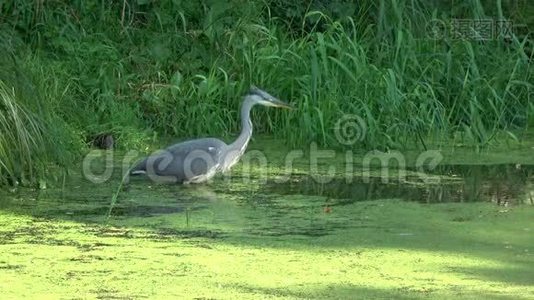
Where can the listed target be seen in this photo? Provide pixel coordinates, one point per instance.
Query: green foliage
(21, 137)
(179, 68)
(32, 136)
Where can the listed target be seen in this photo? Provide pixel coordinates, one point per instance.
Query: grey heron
(198, 160)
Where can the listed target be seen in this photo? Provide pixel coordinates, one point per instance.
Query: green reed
(139, 69)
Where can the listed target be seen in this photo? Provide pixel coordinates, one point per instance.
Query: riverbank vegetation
(140, 70)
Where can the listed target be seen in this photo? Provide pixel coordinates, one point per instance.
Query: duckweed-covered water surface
(465, 232)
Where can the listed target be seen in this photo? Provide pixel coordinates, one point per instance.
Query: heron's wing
(207, 146)
(196, 159)
(185, 161)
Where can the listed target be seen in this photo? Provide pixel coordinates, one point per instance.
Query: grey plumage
(196, 161)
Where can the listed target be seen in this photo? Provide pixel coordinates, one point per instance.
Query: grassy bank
(140, 70)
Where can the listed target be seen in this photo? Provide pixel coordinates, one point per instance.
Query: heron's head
(259, 96)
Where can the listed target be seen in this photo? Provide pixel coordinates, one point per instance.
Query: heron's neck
(246, 127)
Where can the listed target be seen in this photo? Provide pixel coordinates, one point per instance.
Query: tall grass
(29, 142)
(21, 143)
(400, 81)
(33, 138)
(134, 68)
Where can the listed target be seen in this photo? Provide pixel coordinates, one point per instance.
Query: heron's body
(196, 161)
(173, 160)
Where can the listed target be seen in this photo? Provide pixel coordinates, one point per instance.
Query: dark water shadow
(345, 291)
(501, 184)
(515, 274)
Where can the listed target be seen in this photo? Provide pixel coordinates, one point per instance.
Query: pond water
(502, 184)
(457, 231)
(295, 205)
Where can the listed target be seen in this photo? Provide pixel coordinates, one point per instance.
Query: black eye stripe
(257, 93)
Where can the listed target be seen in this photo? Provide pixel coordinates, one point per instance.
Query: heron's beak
(279, 103)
